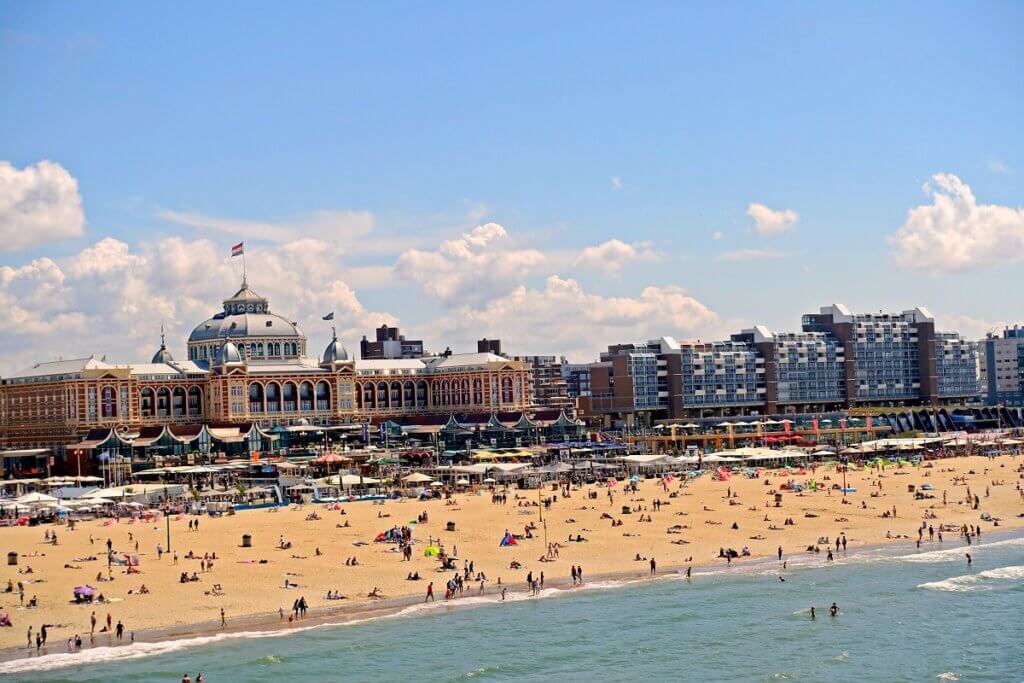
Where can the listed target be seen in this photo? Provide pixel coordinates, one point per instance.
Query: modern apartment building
(724, 374)
(390, 344)
(635, 384)
(549, 389)
(839, 359)
(803, 371)
(577, 379)
(1001, 363)
(898, 358)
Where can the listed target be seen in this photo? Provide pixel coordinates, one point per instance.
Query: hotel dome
(259, 335)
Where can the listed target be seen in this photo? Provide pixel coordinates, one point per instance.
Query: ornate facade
(247, 365)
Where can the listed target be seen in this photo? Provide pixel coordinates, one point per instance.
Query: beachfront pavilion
(25, 462)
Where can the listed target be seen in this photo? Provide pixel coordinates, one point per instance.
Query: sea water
(905, 615)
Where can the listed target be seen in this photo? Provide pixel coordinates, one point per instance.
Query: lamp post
(167, 515)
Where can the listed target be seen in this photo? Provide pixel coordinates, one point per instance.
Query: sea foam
(990, 579)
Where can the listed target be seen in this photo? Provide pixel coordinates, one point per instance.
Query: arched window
(465, 392)
(408, 395)
(146, 407)
(178, 402)
(435, 391)
(323, 396)
(255, 397)
(163, 402)
(396, 394)
(108, 403)
(273, 397)
(506, 389)
(291, 396)
(305, 396)
(382, 395)
(478, 391)
(195, 402)
(446, 393)
(421, 394)
(369, 398)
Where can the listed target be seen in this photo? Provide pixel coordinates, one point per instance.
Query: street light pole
(167, 516)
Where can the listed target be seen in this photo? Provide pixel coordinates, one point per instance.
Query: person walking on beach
(92, 623)
(579, 573)
(780, 553)
(654, 566)
(573, 571)
(430, 592)
(813, 616)
(223, 621)
(119, 631)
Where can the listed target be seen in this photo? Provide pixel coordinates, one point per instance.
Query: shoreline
(269, 624)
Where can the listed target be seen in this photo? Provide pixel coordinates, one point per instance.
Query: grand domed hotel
(247, 372)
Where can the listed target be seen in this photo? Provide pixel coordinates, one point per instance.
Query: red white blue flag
(238, 249)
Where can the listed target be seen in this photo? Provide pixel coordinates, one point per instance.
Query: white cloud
(111, 298)
(768, 222)
(564, 318)
(749, 255)
(971, 327)
(473, 268)
(955, 232)
(998, 166)
(717, 235)
(610, 257)
(38, 204)
(335, 226)
(616, 182)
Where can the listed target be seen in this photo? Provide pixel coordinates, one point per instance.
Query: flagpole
(243, 264)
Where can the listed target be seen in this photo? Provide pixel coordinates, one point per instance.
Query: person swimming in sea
(833, 610)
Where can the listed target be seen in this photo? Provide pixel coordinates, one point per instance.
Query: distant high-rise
(1001, 362)
(390, 344)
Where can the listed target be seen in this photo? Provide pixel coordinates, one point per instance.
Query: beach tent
(508, 540)
(431, 551)
(417, 478)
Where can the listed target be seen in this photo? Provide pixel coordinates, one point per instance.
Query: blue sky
(654, 124)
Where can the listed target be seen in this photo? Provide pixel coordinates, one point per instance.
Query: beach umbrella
(417, 478)
(490, 480)
(84, 590)
(35, 498)
(462, 482)
(436, 483)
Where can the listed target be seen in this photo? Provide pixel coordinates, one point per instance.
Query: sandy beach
(692, 523)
